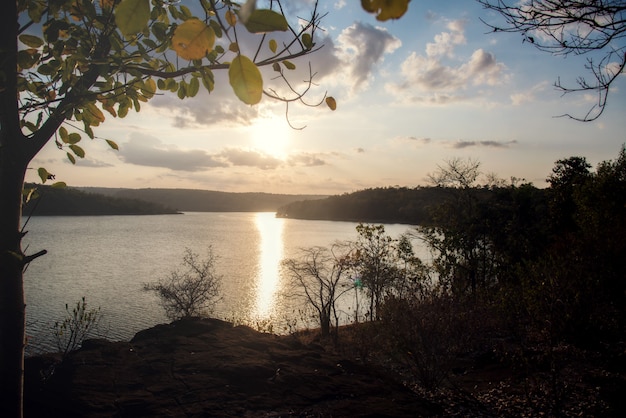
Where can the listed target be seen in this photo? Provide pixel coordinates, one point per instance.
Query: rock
(207, 367)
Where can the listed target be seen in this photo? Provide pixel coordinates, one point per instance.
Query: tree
(463, 253)
(317, 275)
(374, 260)
(595, 28)
(192, 292)
(65, 63)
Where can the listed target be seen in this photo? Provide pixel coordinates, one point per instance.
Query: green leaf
(273, 45)
(290, 65)
(71, 158)
(77, 150)
(307, 41)
(264, 20)
(73, 138)
(193, 87)
(44, 174)
(246, 80)
(31, 41)
(132, 16)
(113, 145)
(59, 185)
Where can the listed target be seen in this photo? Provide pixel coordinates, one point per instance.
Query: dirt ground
(208, 368)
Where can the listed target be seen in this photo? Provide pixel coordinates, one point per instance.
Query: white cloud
(149, 151)
(352, 60)
(528, 95)
(439, 77)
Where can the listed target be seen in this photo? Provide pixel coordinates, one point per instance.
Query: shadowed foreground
(210, 368)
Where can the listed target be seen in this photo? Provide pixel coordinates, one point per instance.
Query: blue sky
(411, 93)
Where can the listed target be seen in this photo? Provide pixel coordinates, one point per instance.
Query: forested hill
(68, 201)
(187, 200)
(387, 205)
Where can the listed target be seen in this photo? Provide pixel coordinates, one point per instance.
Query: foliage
(76, 326)
(71, 202)
(67, 65)
(192, 292)
(593, 28)
(375, 205)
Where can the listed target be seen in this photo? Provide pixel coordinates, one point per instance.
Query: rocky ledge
(208, 368)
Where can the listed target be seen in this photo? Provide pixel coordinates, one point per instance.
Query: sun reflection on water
(271, 253)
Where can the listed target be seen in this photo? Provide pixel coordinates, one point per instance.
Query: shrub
(76, 326)
(192, 292)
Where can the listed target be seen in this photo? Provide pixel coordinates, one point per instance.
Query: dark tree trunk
(12, 308)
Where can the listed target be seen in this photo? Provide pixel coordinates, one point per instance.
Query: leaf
(59, 184)
(73, 138)
(193, 39)
(113, 145)
(273, 45)
(386, 9)
(71, 158)
(331, 103)
(231, 18)
(246, 80)
(132, 16)
(307, 40)
(95, 113)
(77, 150)
(261, 21)
(31, 41)
(233, 47)
(289, 65)
(44, 174)
(276, 67)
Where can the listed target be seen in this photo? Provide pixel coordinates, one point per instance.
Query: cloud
(207, 110)
(306, 160)
(149, 151)
(528, 95)
(359, 49)
(249, 158)
(490, 144)
(91, 162)
(437, 77)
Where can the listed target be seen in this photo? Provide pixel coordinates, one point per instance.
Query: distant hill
(68, 201)
(188, 200)
(386, 205)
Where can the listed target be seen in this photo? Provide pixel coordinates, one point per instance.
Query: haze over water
(107, 259)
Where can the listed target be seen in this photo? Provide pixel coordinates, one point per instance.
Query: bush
(193, 292)
(76, 327)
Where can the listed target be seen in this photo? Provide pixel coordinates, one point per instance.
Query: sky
(411, 94)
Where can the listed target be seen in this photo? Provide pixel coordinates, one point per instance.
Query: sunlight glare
(271, 253)
(271, 136)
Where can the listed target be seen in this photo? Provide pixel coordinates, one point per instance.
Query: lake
(107, 259)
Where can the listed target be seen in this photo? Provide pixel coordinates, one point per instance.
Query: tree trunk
(12, 260)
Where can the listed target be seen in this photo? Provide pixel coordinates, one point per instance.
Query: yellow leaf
(231, 18)
(193, 39)
(331, 103)
(273, 45)
(233, 47)
(289, 65)
(386, 9)
(246, 80)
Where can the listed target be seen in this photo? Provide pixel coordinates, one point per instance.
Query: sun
(271, 137)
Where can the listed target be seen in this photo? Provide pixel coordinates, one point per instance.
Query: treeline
(533, 278)
(51, 201)
(413, 206)
(188, 200)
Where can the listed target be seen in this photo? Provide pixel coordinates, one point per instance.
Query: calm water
(108, 258)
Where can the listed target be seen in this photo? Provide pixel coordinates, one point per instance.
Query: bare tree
(192, 292)
(316, 275)
(595, 28)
